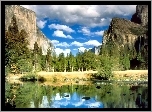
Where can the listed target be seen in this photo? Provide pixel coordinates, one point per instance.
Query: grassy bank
(128, 75)
(67, 76)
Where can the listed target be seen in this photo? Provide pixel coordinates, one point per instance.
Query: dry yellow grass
(131, 72)
(60, 76)
(134, 74)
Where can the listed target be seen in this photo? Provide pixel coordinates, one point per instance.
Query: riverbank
(131, 75)
(128, 75)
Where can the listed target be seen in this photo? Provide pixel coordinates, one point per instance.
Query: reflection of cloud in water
(74, 102)
(32, 104)
(45, 103)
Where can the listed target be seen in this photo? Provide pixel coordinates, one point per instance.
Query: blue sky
(73, 27)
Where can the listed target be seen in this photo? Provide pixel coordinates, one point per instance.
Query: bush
(29, 77)
(41, 79)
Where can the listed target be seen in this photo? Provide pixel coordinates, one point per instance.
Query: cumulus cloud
(59, 33)
(86, 15)
(100, 33)
(65, 51)
(92, 42)
(81, 38)
(81, 49)
(75, 49)
(88, 43)
(85, 31)
(75, 43)
(63, 44)
(59, 44)
(56, 43)
(61, 27)
(41, 24)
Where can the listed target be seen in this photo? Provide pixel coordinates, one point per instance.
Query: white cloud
(57, 43)
(100, 33)
(81, 49)
(81, 38)
(85, 31)
(61, 27)
(63, 44)
(75, 43)
(68, 36)
(41, 24)
(87, 15)
(59, 33)
(75, 49)
(92, 42)
(65, 51)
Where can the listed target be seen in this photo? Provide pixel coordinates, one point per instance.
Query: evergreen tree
(16, 50)
(61, 64)
(36, 56)
(78, 61)
(48, 59)
(71, 61)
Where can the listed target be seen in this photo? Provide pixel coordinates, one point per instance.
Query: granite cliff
(132, 33)
(141, 15)
(26, 19)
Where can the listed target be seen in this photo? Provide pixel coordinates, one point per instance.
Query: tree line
(21, 59)
(112, 56)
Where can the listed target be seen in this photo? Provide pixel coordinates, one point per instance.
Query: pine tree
(35, 60)
(61, 64)
(78, 61)
(48, 59)
(71, 61)
(16, 50)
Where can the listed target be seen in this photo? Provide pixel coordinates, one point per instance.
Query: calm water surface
(98, 95)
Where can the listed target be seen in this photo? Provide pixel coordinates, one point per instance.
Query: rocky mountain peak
(125, 31)
(141, 15)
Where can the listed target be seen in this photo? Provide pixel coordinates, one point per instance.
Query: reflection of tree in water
(23, 96)
(142, 98)
(112, 96)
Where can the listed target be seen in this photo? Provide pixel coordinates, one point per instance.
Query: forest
(112, 57)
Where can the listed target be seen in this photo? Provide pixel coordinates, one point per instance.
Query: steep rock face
(26, 19)
(141, 15)
(132, 33)
(120, 31)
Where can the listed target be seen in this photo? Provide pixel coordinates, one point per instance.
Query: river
(95, 95)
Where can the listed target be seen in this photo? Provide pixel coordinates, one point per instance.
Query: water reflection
(73, 101)
(34, 95)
